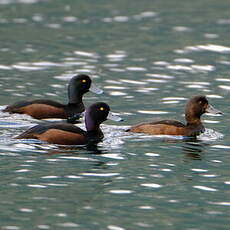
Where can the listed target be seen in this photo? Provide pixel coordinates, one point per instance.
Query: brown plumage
(43, 108)
(68, 134)
(195, 107)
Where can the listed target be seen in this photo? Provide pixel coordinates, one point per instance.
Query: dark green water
(149, 57)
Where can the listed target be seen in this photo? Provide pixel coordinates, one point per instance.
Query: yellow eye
(84, 81)
(102, 108)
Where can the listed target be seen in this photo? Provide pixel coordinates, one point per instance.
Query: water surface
(149, 57)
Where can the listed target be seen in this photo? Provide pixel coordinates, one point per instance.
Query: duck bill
(212, 110)
(94, 89)
(113, 117)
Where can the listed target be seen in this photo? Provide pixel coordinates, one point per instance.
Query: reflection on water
(149, 57)
(194, 150)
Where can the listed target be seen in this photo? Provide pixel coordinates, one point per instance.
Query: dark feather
(168, 122)
(39, 129)
(20, 104)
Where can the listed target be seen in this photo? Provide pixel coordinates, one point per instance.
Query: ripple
(165, 170)
(86, 54)
(226, 87)
(120, 191)
(209, 175)
(135, 68)
(211, 36)
(151, 185)
(36, 186)
(220, 203)
(211, 122)
(117, 70)
(100, 174)
(77, 158)
(5, 67)
(195, 84)
(183, 60)
(148, 14)
(115, 87)
(68, 225)
(179, 67)
(145, 90)
(182, 29)
(70, 19)
(224, 62)
(22, 170)
(205, 188)
(152, 112)
(27, 67)
(60, 214)
(172, 100)
(213, 96)
(210, 135)
(199, 170)
(43, 226)
(56, 185)
(121, 18)
(152, 154)
(221, 146)
(161, 63)
(208, 47)
(223, 79)
(11, 227)
(192, 68)
(54, 25)
(26, 210)
(20, 1)
(37, 18)
(113, 227)
(161, 76)
(107, 20)
(117, 56)
(50, 177)
(113, 156)
(117, 93)
(146, 207)
(133, 82)
(203, 68)
(46, 64)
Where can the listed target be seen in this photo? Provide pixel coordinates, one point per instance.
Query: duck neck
(75, 98)
(74, 94)
(90, 124)
(192, 119)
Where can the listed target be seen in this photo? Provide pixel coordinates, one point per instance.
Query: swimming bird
(43, 108)
(69, 134)
(195, 107)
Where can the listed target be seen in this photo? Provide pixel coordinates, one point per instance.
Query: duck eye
(102, 108)
(83, 81)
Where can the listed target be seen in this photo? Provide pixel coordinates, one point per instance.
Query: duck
(69, 134)
(194, 109)
(44, 108)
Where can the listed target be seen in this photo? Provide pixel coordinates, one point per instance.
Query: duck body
(194, 109)
(68, 134)
(62, 134)
(43, 108)
(168, 127)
